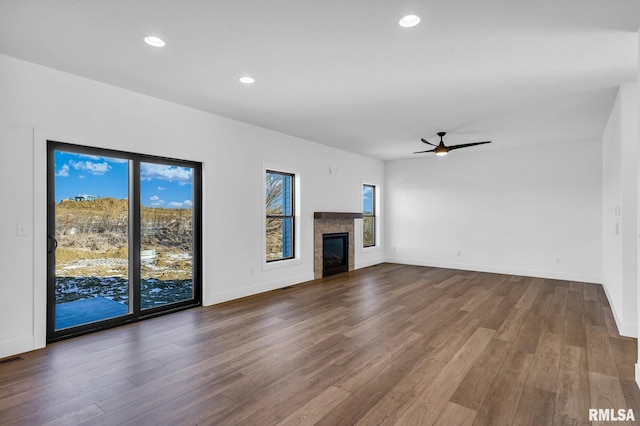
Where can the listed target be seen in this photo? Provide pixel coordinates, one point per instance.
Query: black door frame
(135, 314)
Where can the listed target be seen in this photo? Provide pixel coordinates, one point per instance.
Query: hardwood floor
(386, 345)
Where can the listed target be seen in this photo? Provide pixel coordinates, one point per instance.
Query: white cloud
(154, 198)
(161, 188)
(91, 157)
(64, 171)
(98, 157)
(116, 160)
(181, 205)
(93, 168)
(182, 175)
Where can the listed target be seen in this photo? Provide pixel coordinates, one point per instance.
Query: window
(368, 215)
(280, 219)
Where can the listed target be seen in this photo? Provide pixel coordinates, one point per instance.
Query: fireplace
(335, 253)
(326, 223)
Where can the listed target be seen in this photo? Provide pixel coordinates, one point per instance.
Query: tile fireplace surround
(331, 223)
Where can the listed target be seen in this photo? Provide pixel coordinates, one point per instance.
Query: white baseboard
(498, 270)
(627, 329)
(638, 374)
(264, 287)
(15, 347)
(368, 263)
(257, 289)
(624, 328)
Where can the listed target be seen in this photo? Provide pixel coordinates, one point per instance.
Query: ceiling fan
(441, 149)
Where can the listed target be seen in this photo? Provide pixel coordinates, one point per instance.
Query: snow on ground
(152, 292)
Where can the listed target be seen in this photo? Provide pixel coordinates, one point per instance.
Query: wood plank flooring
(385, 345)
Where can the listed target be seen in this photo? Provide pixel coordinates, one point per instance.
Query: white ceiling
(344, 73)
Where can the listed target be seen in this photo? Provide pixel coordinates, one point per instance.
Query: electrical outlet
(21, 229)
(459, 253)
(557, 260)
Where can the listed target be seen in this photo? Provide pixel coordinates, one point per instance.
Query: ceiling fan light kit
(154, 41)
(441, 149)
(409, 21)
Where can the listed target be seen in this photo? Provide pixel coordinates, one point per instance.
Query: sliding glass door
(166, 234)
(91, 231)
(123, 237)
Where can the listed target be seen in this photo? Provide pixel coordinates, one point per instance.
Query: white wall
(511, 210)
(534, 210)
(619, 209)
(37, 103)
(637, 179)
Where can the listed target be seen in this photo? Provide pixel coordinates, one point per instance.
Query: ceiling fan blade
(427, 142)
(464, 145)
(422, 152)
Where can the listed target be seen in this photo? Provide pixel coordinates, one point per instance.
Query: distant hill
(99, 228)
(112, 205)
(111, 214)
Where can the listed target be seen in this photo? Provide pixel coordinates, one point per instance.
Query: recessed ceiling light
(154, 41)
(409, 21)
(246, 80)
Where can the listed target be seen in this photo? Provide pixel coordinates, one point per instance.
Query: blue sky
(161, 185)
(367, 199)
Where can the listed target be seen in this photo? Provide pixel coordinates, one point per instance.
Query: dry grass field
(92, 258)
(93, 239)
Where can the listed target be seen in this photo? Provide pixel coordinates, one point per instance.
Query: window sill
(370, 249)
(281, 264)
